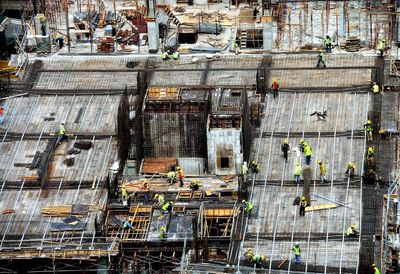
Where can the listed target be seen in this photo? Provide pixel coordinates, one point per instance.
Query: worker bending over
(352, 231)
(194, 186)
(167, 207)
(160, 199)
(351, 169)
(255, 168)
(303, 205)
(171, 177)
(248, 208)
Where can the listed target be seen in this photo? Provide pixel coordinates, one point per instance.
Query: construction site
(199, 136)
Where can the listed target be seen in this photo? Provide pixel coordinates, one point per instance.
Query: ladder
(243, 39)
(172, 16)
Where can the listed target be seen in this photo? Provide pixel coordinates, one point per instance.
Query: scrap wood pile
(105, 44)
(352, 44)
(126, 37)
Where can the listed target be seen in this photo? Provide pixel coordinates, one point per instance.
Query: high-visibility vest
(62, 130)
(370, 154)
(124, 193)
(296, 250)
(249, 206)
(164, 55)
(307, 150)
(244, 169)
(322, 169)
(381, 45)
(161, 199)
(166, 206)
(322, 56)
(375, 88)
(298, 171)
(327, 41)
(171, 174)
(376, 270)
(368, 127)
(175, 55)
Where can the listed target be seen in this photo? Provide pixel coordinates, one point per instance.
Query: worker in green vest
(124, 196)
(297, 173)
(162, 232)
(167, 207)
(352, 231)
(321, 59)
(171, 177)
(328, 44)
(308, 152)
(248, 208)
(160, 199)
(375, 88)
(375, 269)
(164, 55)
(175, 55)
(245, 170)
(61, 133)
(369, 129)
(297, 253)
(257, 260)
(381, 47)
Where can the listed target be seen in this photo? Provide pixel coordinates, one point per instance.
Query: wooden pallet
(184, 195)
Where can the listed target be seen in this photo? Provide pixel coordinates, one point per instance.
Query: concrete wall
(224, 143)
(192, 166)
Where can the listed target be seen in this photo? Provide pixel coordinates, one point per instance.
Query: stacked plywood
(352, 44)
(158, 165)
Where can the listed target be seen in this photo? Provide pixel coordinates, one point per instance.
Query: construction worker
(381, 47)
(285, 148)
(297, 173)
(1, 114)
(236, 46)
(302, 145)
(124, 196)
(127, 224)
(162, 232)
(249, 254)
(351, 169)
(167, 207)
(175, 55)
(146, 189)
(369, 129)
(303, 205)
(257, 260)
(352, 231)
(61, 133)
(375, 88)
(275, 88)
(322, 171)
(321, 59)
(160, 199)
(375, 269)
(370, 155)
(193, 185)
(171, 177)
(308, 152)
(297, 253)
(382, 134)
(245, 170)
(248, 208)
(328, 44)
(43, 23)
(181, 176)
(255, 168)
(60, 40)
(165, 56)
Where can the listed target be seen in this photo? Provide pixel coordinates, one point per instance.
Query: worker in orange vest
(275, 87)
(1, 114)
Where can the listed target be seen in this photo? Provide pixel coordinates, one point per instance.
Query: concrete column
(307, 183)
(154, 40)
(267, 36)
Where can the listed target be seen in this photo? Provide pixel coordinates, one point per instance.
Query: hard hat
(162, 228)
(144, 181)
(369, 122)
(63, 123)
(194, 181)
(298, 163)
(303, 198)
(301, 141)
(171, 203)
(353, 225)
(319, 162)
(370, 149)
(285, 141)
(381, 131)
(245, 163)
(156, 196)
(123, 186)
(262, 258)
(373, 265)
(383, 40)
(41, 16)
(178, 168)
(321, 50)
(253, 162)
(297, 244)
(243, 201)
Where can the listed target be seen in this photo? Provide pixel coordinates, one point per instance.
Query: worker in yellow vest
(381, 47)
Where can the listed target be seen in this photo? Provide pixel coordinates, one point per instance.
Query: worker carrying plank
(248, 208)
(352, 231)
(285, 148)
(194, 186)
(303, 205)
(61, 133)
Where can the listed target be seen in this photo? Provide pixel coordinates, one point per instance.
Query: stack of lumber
(65, 210)
(105, 45)
(158, 165)
(352, 44)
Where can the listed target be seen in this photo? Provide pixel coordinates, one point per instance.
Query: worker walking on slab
(297, 253)
(275, 88)
(160, 199)
(381, 47)
(146, 189)
(171, 177)
(167, 207)
(370, 156)
(375, 269)
(61, 133)
(303, 205)
(352, 231)
(375, 88)
(124, 196)
(163, 234)
(328, 44)
(351, 169)
(369, 129)
(321, 59)
(322, 171)
(255, 168)
(181, 176)
(308, 152)
(248, 208)
(194, 186)
(285, 148)
(297, 173)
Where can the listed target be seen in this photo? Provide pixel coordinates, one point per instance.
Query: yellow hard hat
(162, 228)
(369, 122)
(353, 226)
(381, 131)
(41, 16)
(243, 201)
(373, 265)
(123, 186)
(156, 196)
(301, 141)
(319, 162)
(303, 198)
(285, 141)
(178, 168)
(370, 149)
(194, 181)
(253, 162)
(262, 258)
(298, 163)
(320, 50)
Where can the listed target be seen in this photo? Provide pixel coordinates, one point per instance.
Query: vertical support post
(307, 182)
(67, 25)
